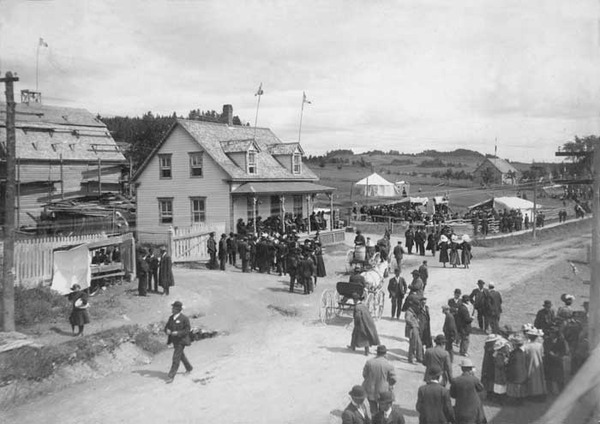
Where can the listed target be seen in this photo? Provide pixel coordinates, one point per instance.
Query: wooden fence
(188, 244)
(34, 258)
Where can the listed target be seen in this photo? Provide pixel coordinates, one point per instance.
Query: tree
(581, 165)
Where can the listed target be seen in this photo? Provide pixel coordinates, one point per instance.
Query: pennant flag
(43, 43)
(304, 99)
(260, 91)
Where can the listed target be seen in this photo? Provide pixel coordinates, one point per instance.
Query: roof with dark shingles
(210, 136)
(281, 187)
(502, 165)
(285, 148)
(47, 132)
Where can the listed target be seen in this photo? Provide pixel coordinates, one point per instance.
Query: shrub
(40, 304)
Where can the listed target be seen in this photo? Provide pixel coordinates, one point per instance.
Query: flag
(43, 43)
(304, 99)
(260, 91)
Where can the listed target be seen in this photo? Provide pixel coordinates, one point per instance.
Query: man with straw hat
(466, 389)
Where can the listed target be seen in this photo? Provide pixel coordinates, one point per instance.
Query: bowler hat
(435, 371)
(381, 350)
(480, 282)
(466, 363)
(358, 392)
(177, 304)
(547, 303)
(459, 291)
(386, 397)
(440, 338)
(415, 271)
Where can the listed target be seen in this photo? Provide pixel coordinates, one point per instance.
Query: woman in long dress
(444, 250)
(454, 256)
(79, 315)
(321, 272)
(516, 372)
(534, 356)
(465, 254)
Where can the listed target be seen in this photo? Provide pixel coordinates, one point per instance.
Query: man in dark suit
(463, 325)
(433, 401)
(232, 248)
(398, 254)
(211, 247)
(424, 273)
(306, 269)
(437, 357)
(397, 289)
(143, 272)
(165, 271)
(379, 376)
(467, 389)
(388, 412)
(449, 330)
(178, 331)
(494, 308)
(357, 412)
(223, 251)
(479, 300)
(416, 286)
(152, 261)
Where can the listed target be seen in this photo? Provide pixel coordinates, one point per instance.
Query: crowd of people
(402, 213)
(272, 224)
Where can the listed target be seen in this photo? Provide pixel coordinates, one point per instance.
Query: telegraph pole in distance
(8, 270)
(594, 308)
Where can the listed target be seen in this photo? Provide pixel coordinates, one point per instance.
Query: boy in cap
(433, 400)
(388, 412)
(356, 412)
(178, 331)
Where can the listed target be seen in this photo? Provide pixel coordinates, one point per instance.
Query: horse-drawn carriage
(362, 255)
(336, 302)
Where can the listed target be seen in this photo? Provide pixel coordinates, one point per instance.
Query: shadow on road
(61, 331)
(161, 375)
(396, 338)
(358, 351)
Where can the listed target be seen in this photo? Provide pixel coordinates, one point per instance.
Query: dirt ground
(275, 361)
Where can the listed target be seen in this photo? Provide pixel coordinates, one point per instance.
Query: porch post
(308, 210)
(254, 213)
(330, 211)
(282, 212)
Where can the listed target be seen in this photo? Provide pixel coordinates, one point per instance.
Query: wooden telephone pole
(8, 270)
(594, 308)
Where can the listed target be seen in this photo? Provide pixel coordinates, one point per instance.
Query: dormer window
(297, 163)
(251, 162)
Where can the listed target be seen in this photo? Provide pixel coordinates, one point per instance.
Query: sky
(406, 75)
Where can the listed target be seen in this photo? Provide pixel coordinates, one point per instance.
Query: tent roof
(514, 202)
(374, 180)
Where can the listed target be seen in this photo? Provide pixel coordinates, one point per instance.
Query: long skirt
(79, 317)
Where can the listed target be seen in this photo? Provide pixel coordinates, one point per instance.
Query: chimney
(227, 116)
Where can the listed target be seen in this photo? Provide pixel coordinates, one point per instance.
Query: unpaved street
(273, 367)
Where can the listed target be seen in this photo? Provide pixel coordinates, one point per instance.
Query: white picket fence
(188, 244)
(34, 257)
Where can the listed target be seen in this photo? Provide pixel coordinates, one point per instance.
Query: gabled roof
(50, 132)
(210, 135)
(285, 149)
(374, 180)
(236, 146)
(500, 164)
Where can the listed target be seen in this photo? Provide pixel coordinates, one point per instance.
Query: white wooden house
(215, 173)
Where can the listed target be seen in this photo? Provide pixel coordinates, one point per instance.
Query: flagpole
(258, 93)
(301, 113)
(37, 66)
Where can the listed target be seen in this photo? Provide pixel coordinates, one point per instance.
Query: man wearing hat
(433, 400)
(223, 252)
(438, 357)
(412, 332)
(379, 376)
(545, 317)
(416, 286)
(466, 389)
(494, 307)
(424, 273)
(397, 289)
(479, 299)
(364, 333)
(359, 240)
(357, 412)
(398, 253)
(178, 331)
(449, 330)
(388, 412)
(211, 247)
(165, 271)
(453, 302)
(463, 320)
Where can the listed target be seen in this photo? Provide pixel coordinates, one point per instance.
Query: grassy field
(462, 193)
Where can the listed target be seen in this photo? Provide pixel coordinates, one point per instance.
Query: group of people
(154, 269)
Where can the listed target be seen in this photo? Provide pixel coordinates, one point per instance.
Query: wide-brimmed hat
(491, 285)
(358, 392)
(386, 397)
(480, 282)
(492, 338)
(381, 350)
(466, 238)
(415, 271)
(443, 238)
(466, 363)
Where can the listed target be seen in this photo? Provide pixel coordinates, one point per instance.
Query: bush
(41, 304)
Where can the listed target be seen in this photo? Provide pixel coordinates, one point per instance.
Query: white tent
(376, 186)
(508, 203)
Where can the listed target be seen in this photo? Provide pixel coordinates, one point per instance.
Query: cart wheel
(380, 302)
(326, 311)
(337, 308)
(370, 302)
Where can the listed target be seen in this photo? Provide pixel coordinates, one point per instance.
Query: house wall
(285, 161)
(479, 172)
(180, 187)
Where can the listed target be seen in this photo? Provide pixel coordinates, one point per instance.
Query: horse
(375, 276)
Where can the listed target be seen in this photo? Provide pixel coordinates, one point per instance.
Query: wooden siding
(239, 158)
(180, 187)
(285, 161)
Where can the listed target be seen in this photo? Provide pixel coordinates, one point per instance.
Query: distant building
(496, 171)
(206, 173)
(61, 153)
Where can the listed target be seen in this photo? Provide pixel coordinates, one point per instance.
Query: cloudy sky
(407, 75)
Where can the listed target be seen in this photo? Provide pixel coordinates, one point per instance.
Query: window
(198, 205)
(196, 164)
(165, 166)
(275, 205)
(165, 211)
(297, 205)
(251, 162)
(297, 163)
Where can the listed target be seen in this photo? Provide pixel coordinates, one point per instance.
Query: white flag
(260, 91)
(304, 99)
(43, 43)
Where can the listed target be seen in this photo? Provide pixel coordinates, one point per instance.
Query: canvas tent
(375, 186)
(508, 203)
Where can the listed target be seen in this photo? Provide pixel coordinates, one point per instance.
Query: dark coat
(516, 370)
(364, 333)
(79, 315)
(165, 272)
(440, 357)
(417, 286)
(352, 416)
(544, 319)
(449, 328)
(182, 326)
(397, 287)
(463, 320)
(444, 252)
(468, 408)
(479, 299)
(434, 404)
(424, 273)
(395, 416)
(494, 300)
(321, 272)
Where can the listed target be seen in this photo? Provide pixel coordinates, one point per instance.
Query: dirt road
(277, 368)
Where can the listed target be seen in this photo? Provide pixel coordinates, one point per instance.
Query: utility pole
(534, 217)
(8, 270)
(594, 308)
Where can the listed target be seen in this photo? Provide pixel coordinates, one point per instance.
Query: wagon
(335, 303)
